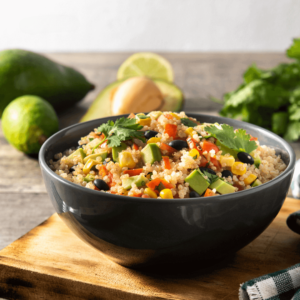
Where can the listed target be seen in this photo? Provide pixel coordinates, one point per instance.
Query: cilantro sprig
(238, 141)
(121, 130)
(211, 178)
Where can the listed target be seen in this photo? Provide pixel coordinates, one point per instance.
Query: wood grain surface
(50, 262)
(23, 199)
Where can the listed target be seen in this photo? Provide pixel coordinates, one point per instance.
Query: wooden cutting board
(50, 262)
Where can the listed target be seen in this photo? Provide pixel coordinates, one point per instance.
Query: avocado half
(101, 107)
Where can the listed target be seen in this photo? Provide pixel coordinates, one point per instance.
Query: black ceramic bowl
(137, 232)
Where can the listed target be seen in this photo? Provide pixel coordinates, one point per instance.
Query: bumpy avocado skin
(27, 73)
(27, 122)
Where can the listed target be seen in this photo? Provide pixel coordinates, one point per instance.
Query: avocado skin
(27, 73)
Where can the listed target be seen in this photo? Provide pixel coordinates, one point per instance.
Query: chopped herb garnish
(91, 139)
(211, 178)
(161, 187)
(143, 117)
(238, 141)
(121, 130)
(187, 122)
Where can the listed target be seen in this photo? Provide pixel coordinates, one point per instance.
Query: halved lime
(146, 64)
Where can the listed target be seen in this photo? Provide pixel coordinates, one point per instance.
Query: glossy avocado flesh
(138, 180)
(79, 152)
(197, 182)
(151, 153)
(222, 187)
(101, 107)
(117, 150)
(103, 155)
(28, 73)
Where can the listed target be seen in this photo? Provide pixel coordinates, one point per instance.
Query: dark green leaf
(280, 122)
(239, 140)
(211, 178)
(187, 122)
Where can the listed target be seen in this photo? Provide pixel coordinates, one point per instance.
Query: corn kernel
(238, 168)
(144, 122)
(166, 194)
(153, 140)
(89, 164)
(175, 116)
(251, 178)
(227, 161)
(189, 131)
(126, 160)
(194, 153)
(150, 193)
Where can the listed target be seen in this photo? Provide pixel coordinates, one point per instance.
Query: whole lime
(27, 122)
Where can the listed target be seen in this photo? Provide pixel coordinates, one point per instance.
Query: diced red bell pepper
(192, 143)
(133, 172)
(216, 163)
(131, 116)
(203, 162)
(111, 182)
(252, 138)
(136, 195)
(145, 196)
(135, 147)
(208, 146)
(165, 147)
(209, 193)
(167, 162)
(168, 116)
(171, 130)
(102, 171)
(153, 184)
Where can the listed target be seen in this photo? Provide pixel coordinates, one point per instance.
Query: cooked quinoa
(165, 158)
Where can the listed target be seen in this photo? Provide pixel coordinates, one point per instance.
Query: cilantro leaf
(239, 140)
(121, 130)
(211, 178)
(187, 122)
(294, 50)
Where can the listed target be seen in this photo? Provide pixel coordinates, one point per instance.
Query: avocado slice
(88, 178)
(103, 155)
(197, 182)
(257, 161)
(222, 187)
(79, 152)
(117, 150)
(100, 108)
(139, 181)
(257, 182)
(151, 153)
(225, 150)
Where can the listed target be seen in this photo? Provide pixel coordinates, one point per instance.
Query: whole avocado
(28, 73)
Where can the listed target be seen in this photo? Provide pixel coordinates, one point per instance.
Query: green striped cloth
(281, 285)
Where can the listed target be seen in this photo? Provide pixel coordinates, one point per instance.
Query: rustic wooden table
(24, 201)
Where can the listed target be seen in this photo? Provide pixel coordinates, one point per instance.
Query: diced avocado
(257, 161)
(139, 181)
(79, 152)
(88, 178)
(225, 150)
(117, 150)
(257, 182)
(197, 182)
(103, 155)
(151, 153)
(222, 187)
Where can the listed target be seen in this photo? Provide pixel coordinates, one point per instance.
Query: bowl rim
(179, 201)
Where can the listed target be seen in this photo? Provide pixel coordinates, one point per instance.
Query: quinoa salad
(167, 155)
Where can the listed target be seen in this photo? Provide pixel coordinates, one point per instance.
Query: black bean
(194, 194)
(101, 185)
(150, 133)
(72, 169)
(208, 170)
(226, 173)
(178, 144)
(245, 158)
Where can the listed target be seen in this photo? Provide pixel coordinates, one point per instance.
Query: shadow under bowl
(140, 232)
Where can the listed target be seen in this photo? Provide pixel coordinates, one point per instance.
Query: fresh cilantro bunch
(187, 122)
(238, 141)
(211, 178)
(121, 130)
(269, 98)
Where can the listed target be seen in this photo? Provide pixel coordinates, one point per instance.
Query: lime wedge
(146, 64)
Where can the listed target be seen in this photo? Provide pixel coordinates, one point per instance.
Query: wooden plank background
(23, 198)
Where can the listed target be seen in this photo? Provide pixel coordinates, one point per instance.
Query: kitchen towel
(281, 285)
